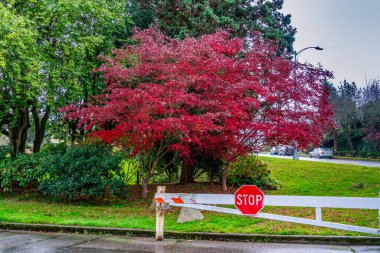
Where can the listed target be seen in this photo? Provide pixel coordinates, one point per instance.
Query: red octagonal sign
(249, 199)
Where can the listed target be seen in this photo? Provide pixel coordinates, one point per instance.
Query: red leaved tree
(213, 94)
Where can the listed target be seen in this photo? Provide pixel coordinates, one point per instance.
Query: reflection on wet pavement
(33, 242)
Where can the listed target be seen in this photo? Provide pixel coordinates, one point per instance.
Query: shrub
(51, 148)
(357, 186)
(21, 172)
(361, 154)
(24, 170)
(4, 153)
(252, 171)
(83, 172)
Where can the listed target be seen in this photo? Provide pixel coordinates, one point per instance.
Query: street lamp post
(296, 55)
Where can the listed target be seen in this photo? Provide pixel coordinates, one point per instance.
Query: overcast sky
(348, 30)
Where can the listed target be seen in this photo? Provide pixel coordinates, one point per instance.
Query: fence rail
(272, 200)
(207, 201)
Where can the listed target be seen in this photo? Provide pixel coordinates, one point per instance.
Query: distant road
(325, 160)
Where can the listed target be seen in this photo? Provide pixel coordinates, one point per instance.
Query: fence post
(160, 216)
(318, 214)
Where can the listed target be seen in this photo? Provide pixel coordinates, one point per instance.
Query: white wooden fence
(203, 202)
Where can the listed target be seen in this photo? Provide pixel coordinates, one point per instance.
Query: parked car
(286, 150)
(274, 150)
(321, 153)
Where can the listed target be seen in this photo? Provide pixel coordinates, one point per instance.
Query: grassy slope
(298, 177)
(324, 179)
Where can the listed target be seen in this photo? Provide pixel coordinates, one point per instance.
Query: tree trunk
(145, 184)
(18, 134)
(224, 177)
(138, 179)
(224, 180)
(144, 192)
(348, 138)
(40, 127)
(72, 132)
(335, 139)
(38, 139)
(187, 175)
(211, 177)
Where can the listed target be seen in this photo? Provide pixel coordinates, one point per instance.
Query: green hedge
(373, 155)
(84, 171)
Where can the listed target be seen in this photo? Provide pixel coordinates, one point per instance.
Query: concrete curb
(311, 239)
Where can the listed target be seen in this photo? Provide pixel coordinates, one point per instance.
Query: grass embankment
(357, 158)
(297, 177)
(347, 158)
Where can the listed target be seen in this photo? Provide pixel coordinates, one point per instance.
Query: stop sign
(249, 199)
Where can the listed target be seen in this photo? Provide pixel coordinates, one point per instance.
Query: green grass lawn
(324, 179)
(297, 177)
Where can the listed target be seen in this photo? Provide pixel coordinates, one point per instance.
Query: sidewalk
(229, 237)
(30, 242)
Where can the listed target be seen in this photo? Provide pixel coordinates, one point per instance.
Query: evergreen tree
(181, 18)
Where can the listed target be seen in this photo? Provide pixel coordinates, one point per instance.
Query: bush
(358, 154)
(21, 172)
(252, 171)
(4, 153)
(83, 172)
(24, 170)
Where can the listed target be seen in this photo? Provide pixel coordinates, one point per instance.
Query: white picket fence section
(207, 202)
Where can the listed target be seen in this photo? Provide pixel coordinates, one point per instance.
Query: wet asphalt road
(337, 161)
(33, 242)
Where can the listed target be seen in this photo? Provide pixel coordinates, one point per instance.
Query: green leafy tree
(18, 77)
(370, 114)
(68, 36)
(357, 119)
(346, 110)
(181, 18)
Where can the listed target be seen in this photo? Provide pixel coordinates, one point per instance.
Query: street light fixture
(296, 54)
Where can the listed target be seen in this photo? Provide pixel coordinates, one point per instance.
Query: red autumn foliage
(213, 94)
